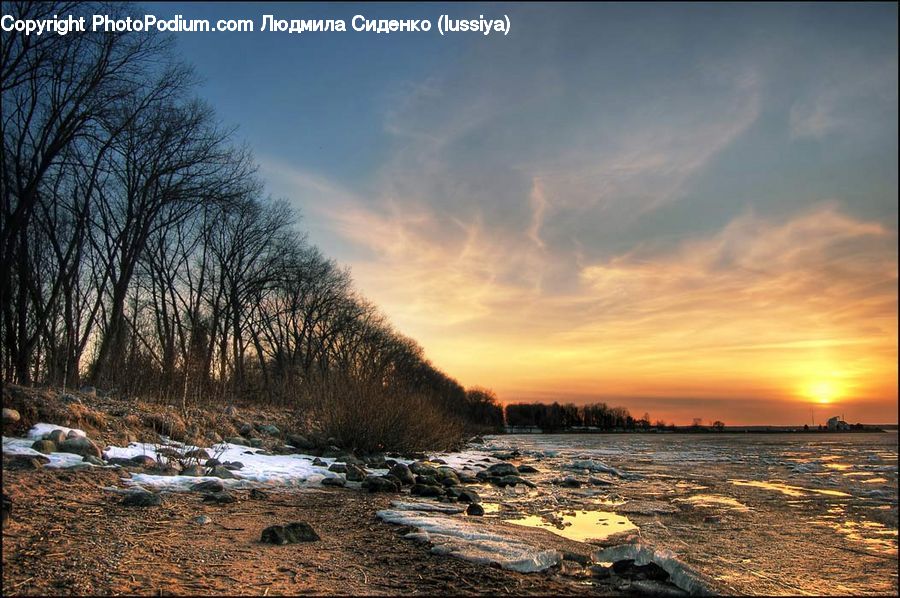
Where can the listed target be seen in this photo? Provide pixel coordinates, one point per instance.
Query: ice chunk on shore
(474, 541)
(679, 573)
(38, 430)
(595, 466)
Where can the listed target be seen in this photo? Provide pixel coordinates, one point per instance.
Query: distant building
(836, 424)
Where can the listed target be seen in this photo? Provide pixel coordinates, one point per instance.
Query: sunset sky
(684, 210)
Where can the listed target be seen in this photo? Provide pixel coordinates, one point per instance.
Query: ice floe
(469, 539)
(680, 574)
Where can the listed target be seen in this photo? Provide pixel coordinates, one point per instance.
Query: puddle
(714, 500)
(787, 489)
(580, 526)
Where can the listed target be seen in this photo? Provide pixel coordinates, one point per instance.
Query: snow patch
(22, 446)
(38, 430)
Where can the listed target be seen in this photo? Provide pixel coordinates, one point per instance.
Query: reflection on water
(713, 501)
(787, 489)
(580, 526)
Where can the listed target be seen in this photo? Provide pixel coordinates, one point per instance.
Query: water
(757, 513)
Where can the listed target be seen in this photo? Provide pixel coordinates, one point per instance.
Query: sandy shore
(70, 536)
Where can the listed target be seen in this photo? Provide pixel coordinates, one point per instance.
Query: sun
(823, 391)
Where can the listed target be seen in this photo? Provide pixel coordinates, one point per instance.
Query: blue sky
(620, 192)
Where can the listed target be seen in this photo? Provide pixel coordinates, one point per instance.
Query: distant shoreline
(866, 429)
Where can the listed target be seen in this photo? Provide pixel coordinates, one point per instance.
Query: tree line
(140, 254)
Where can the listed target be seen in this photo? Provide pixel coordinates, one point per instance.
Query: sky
(686, 210)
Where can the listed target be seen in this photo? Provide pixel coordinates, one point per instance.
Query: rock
(502, 469)
(600, 571)
(10, 416)
(80, 445)
(512, 480)
(332, 452)
(196, 471)
(257, 494)
(527, 469)
(143, 461)
(222, 472)
(403, 473)
(299, 441)
(477, 440)
(219, 498)
(318, 462)
(256, 442)
(439, 461)
(69, 399)
(208, 486)
(142, 498)
(627, 569)
(338, 468)
(447, 473)
(56, 436)
(468, 479)
(475, 509)
(246, 430)
(427, 480)
(122, 461)
(24, 461)
(202, 520)
(336, 481)
(426, 491)
(379, 484)
(269, 429)
(238, 440)
(454, 481)
(88, 390)
(292, 533)
(600, 482)
(356, 473)
(231, 411)
(44, 446)
(73, 434)
(198, 453)
(468, 495)
(419, 468)
(212, 462)
(93, 460)
(233, 465)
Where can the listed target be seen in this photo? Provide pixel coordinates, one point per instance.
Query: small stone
(291, 533)
(44, 446)
(475, 509)
(426, 491)
(202, 520)
(257, 494)
(527, 469)
(336, 481)
(142, 499)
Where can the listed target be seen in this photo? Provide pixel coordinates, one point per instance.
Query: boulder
(142, 498)
(426, 491)
(256, 442)
(222, 472)
(319, 463)
(143, 461)
(527, 469)
(403, 473)
(56, 436)
(299, 441)
(338, 468)
(195, 471)
(420, 468)
(292, 533)
(502, 469)
(219, 498)
(380, 484)
(269, 429)
(355, 473)
(239, 440)
(80, 445)
(475, 509)
(336, 481)
(44, 446)
(208, 486)
(10, 416)
(257, 494)
(468, 495)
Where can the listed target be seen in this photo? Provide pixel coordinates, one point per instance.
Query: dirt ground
(68, 535)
